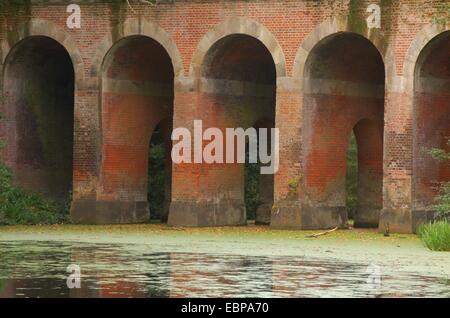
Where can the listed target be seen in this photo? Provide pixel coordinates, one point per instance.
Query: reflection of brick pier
(79, 106)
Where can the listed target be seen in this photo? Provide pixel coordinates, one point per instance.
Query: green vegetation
(157, 175)
(443, 200)
(156, 182)
(436, 235)
(352, 177)
(252, 200)
(18, 206)
(442, 15)
(443, 205)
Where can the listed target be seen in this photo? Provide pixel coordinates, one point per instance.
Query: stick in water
(323, 233)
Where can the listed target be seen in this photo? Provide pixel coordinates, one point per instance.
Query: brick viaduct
(79, 106)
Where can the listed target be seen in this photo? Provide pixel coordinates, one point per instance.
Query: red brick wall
(137, 96)
(186, 22)
(237, 89)
(38, 116)
(432, 118)
(344, 90)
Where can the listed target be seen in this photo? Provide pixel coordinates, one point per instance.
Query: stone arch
(325, 29)
(238, 25)
(342, 78)
(39, 27)
(39, 104)
(236, 68)
(428, 85)
(138, 26)
(136, 94)
(425, 35)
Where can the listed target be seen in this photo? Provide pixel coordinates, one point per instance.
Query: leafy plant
(252, 199)
(440, 154)
(18, 206)
(443, 200)
(352, 177)
(442, 15)
(436, 235)
(156, 180)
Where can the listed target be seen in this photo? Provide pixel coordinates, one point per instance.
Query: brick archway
(326, 28)
(343, 82)
(141, 26)
(238, 25)
(137, 92)
(429, 88)
(39, 27)
(38, 126)
(236, 66)
(424, 36)
(238, 85)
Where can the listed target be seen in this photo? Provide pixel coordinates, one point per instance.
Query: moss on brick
(15, 13)
(117, 17)
(356, 21)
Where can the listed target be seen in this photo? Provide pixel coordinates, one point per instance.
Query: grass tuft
(436, 235)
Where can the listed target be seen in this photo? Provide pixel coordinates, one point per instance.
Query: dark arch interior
(39, 97)
(137, 103)
(431, 120)
(346, 56)
(239, 87)
(139, 58)
(160, 171)
(265, 185)
(344, 93)
(240, 57)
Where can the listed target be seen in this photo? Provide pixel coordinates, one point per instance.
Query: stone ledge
(297, 216)
(202, 214)
(90, 211)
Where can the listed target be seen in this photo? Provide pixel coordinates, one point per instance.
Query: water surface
(39, 269)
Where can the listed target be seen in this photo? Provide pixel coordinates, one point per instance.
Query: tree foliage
(443, 199)
(157, 179)
(352, 177)
(18, 206)
(252, 199)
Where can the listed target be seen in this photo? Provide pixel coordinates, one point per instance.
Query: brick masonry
(311, 68)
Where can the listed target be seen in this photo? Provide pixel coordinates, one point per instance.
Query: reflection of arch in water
(210, 275)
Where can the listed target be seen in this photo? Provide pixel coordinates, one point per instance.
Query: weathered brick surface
(112, 126)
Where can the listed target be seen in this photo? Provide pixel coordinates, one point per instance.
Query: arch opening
(343, 92)
(160, 171)
(137, 103)
(431, 128)
(38, 89)
(238, 90)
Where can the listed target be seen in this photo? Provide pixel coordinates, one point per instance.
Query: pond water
(39, 269)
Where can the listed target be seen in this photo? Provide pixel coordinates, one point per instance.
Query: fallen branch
(322, 233)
